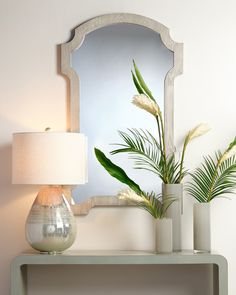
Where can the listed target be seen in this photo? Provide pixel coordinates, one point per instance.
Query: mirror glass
(103, 64)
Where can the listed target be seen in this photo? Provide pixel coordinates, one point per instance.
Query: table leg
(220, 276)
(223, 278)
(18, 279)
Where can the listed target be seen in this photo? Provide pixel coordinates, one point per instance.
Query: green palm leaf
(173, 169)
(156, 205)
(147, 154)
(143, 148)
(213, 179)
(225, 183)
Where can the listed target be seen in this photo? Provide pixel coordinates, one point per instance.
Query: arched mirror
(98, 63)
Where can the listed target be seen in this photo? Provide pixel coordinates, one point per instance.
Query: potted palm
(157, 207)
(150, 153)
(151, 202)
(216, 177)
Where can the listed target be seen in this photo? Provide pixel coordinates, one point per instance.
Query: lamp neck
(49, 195)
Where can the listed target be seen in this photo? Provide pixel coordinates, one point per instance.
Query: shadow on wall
(14, 204)
(5, 174)
(9, 192)
(15, 201)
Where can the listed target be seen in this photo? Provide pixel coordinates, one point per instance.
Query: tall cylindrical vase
(175, 211)
(164, 235)
(202, 227)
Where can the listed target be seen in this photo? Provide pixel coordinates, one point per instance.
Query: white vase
(202, 227)
(175, 211)
(164, 235)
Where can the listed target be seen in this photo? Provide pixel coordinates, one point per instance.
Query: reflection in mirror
(103, 64)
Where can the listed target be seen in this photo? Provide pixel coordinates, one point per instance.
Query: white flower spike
(130, 195)
(228, 154)
(198, 131)
(144, 102)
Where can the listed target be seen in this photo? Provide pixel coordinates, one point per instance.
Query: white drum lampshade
(52, 159)
(48, 158)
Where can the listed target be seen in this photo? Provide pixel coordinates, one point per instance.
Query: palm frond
(213, 179)
(147, 154)
(226, 180)
(156, 205)
(143, 149)
(173, 169)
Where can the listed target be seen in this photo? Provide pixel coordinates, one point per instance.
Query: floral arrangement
(149, 153)
(216, 176)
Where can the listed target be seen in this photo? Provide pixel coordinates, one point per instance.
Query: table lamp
(51, 159)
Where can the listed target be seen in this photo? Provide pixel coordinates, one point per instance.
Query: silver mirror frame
(74, 89)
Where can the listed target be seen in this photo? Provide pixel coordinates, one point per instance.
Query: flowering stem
(159, 132)
(186, 141)
(166, 180)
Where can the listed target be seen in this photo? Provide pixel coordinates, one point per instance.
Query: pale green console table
(20, 263)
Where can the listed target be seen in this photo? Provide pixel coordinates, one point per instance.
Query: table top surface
(118, 253)
(119, 257)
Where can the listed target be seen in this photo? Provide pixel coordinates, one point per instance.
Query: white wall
(33, 95)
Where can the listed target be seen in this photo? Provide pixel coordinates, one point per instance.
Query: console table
(20, 263)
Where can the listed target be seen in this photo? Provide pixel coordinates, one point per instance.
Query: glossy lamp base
(50, 226)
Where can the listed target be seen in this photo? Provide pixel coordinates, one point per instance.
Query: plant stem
(186, 141)
(164, 150)
(159, 132)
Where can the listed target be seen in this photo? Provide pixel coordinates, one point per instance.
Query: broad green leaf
(142, 82)
(115, 171)
(136, 83)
